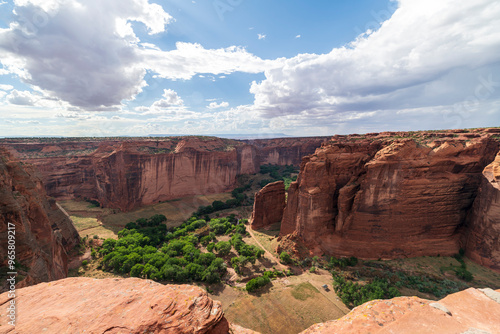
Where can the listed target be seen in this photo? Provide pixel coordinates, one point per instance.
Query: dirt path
(270, 255)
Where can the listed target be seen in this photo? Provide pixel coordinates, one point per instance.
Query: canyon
(43, 233)
(396, 195)
(129, 173)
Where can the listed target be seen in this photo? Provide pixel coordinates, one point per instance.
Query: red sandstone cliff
(44, 234)
(483, 234)
(468, 311)
(268, 206)
(384, 196)
(133, 305)
(136, 172)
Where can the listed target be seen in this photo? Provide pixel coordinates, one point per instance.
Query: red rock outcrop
(44, 234)
(387, 196)
(133, 305)
(483, 234)
(468, 311)
(268, 206)
(128, 174)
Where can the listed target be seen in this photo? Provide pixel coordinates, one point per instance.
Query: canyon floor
(291, 304)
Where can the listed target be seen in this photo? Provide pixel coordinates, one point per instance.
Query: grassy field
(291, 305)
(443, 267)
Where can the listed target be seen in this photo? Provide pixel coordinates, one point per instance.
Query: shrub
(257, 283)
(85, 263)
(285, 257)
(464, 274)
(211, 247)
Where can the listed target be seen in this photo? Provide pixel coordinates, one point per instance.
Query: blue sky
(302, 68)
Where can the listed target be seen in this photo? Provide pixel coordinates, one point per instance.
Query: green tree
(285, 257)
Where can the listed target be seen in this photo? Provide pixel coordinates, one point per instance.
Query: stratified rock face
(268, 206)
(129, 174)
(44, 234)
(382, 198)
(132, 306)
(483, 236)
(469, 311)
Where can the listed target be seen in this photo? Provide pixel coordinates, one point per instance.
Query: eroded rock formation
(483, 235)
(268, 206)
(136, 172)
(387, 196)
(132, 305)
(44, 234)
(468, 311)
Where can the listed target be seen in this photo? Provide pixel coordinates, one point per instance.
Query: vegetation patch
(279, 173)
(303, 291)
(147, 248)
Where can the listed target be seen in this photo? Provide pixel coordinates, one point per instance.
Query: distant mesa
(235, 136)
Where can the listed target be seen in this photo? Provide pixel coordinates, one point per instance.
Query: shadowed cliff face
(387, 197)
(136, 172)
(483, 237)
(268, 206)
(44, 234)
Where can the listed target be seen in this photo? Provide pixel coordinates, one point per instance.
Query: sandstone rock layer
(132, 306)
(268, 206)
(469, 311)
(386, 196)
(483, 237)
(127, 174)
(44, 234)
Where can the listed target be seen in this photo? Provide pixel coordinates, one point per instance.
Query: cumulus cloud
(190, 59)
(87, 53)
(170, 105)
(22, 98)
(429, 53)
(6, 87)
(170, 99)
(215, 105)
(75, 50)
(261, 36)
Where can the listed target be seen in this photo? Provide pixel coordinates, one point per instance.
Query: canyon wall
(44, 234)
(127, 174)
(268, 206)
(483, 237)
(393, 195)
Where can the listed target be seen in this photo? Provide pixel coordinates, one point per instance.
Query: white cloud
(6, 87)
(22, 98)
(429, 53)
(170, 99)
(87, 54)
(261, 36)
(190, 59)
(298, 36)
(170, 105)
(215, 105)
(82, 52)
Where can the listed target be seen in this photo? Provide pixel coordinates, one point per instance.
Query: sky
(220, 67)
